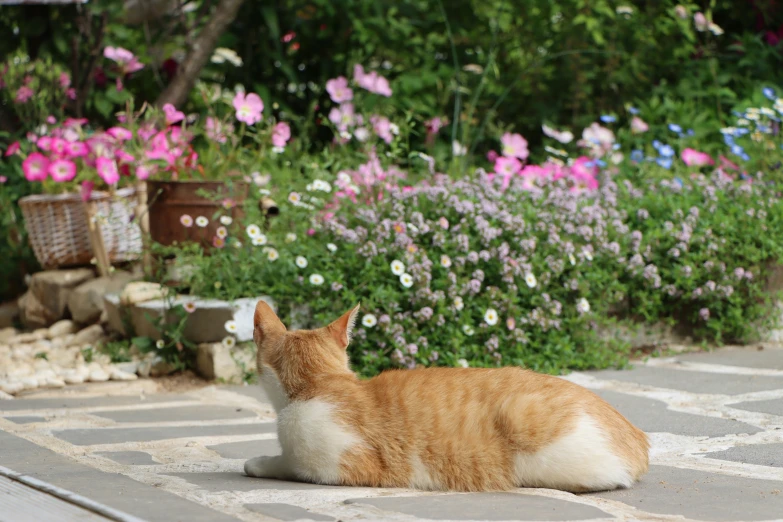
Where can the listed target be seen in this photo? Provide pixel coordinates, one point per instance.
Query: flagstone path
(126, 451)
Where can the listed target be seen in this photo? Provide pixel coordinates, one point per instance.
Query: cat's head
(298, 355)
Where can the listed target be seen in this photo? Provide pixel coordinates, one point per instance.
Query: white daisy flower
(253, 231)
(331, 247)
(531, 281)
(221, 232)
(445, 261)
(369, 320)
(316, 279)
(294, 198)
(459, 304)
(468, 330)
(228, 342)
(582, 306)
(259, 240)
(572, 259)
(202, 221)
(237, 243)
(406, 280)
(290, 237)
(226, 220)
(394, 128)
(231, 326)
(462, 362)
(588, 255)
(159, 344)
(491, 316)
(301, 262)
(272, 255)
(397, 267)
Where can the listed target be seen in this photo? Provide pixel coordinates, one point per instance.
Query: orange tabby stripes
(436, 428)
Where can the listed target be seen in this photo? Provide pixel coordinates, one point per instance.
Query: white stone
(29, 382)
(11, 387)
(98, 375)
(61, 329)
(118, 375)
(72, 377)
(89, 336)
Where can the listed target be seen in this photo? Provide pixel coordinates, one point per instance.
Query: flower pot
(168, 201)
(58, 227)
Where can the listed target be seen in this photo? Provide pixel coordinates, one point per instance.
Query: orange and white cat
(435, 429)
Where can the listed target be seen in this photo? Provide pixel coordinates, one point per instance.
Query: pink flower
(107, 170)
(342, 116)
(71, 93)
(44, 143)
(216, 130)
(143, 172)
(371, 81)
(58, 147)
(506, 168)
(638, 125)
(123, 157)
(125, 59)
(700, 21)
(218, 242)
(76, 149)
(338, 90)
(35, 167)
(65, 80)
(172, 114)
(75, 122)
(583, 175)
(86, 190)
(23, 94)
(382, 127)
(62, 170)
(12, 149)
(120, 133)
(492, 155)
(310, 231)
(435, 125)
(514, 146)
(694, 158)
(51, 120)
(281, 133)
(3, 179)
(249, 107)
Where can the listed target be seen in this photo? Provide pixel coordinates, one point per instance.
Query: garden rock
(86, 302)
(61, 329)
(6, 334)
(139, 292)
(217, 361)
(51, 290)
(89, 336)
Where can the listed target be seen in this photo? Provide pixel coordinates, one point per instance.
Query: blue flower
(664, 162)
(678, 181)
(637, 155)
(745, 156)
(728, 139)
(741, 131)
(633, 110)
(675, 128)
(764, 129)
(657, 144)
(769, 93)
(691, 132)
(600, 163)
(616, 146)
(737, 150)
(666, 151)
(608, 118)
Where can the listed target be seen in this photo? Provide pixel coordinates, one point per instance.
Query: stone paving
(715, 421)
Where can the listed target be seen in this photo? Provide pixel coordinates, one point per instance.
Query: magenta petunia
(281, 133)
(120, 133)
(62, 170)
(86, 190)
(35, 167)
(248, 107)
(76, 149)
(172, 114)
(371, 81)
(12, 149)
(127, 61)
(107, 170)
(24, 94)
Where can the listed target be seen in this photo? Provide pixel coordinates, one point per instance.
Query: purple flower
(704, 314)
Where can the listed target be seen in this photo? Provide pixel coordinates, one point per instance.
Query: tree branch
(199, 53)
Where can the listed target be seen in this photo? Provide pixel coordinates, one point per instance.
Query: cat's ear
(341, 329)
(266, 323)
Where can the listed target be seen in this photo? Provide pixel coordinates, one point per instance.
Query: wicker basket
(58, 228)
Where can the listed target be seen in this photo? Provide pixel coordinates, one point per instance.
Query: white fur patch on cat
(421, 477)
(581, 459)
(313, 441)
